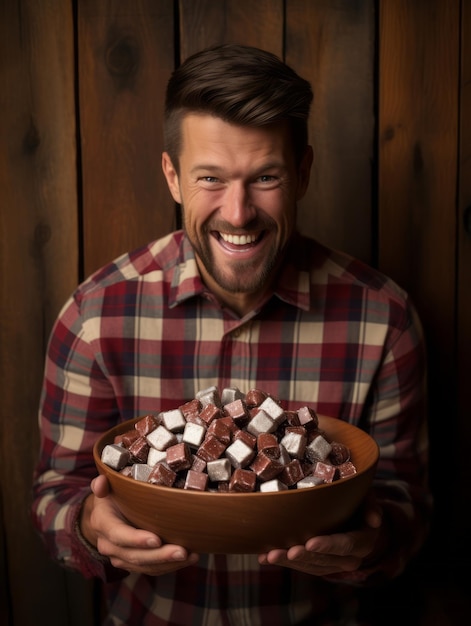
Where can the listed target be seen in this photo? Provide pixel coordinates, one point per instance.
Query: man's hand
(337, 556)
(128, 548)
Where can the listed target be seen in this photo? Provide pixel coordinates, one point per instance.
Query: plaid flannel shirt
(143, 335)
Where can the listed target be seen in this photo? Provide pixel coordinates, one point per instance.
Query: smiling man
(237, 298)
(238, 187)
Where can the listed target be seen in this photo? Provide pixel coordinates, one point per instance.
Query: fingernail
(178, 556)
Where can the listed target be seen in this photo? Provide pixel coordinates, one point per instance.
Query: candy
(273, 485)
(219, 470)
(115, 456)
(141, 471)
(179, 457)
(318, 449)
(211, 448)
(261, 422)
(162, 475)
(295, 443)
(161, 438)
(174, 420)
(196, 481)
(239, 453)
(193, 434)
(230, 443)
(242, 480)
(266, 467)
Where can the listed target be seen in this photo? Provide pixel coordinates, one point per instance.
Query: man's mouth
(239, 240)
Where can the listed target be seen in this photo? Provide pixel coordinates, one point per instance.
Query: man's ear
(171, 176)
(304, 172)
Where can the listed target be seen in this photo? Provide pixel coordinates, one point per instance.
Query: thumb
(100, 486)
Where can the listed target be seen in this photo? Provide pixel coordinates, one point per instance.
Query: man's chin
(240, 284)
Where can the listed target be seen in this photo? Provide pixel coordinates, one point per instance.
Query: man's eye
(210, 179)
(267, 180)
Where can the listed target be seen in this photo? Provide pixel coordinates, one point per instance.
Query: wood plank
(125, 58)
(332, 45)
(38, 265)
(462, 491)
(206, 23)
(418, 150)
(418, 130)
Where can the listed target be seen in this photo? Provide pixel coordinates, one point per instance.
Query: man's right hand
(132, 549)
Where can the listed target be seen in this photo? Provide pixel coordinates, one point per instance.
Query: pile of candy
(230, 441)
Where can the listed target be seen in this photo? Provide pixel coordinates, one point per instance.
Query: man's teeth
(239, 240)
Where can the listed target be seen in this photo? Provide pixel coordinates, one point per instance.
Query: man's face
(238, 187)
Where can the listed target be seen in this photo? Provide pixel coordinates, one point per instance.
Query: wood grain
(332, 45)
(206, 23)
(38, 268)
(125, 55)
(462, 499)
(418, 154)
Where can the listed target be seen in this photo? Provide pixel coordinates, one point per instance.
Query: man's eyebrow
(206, 167)
(213, 168)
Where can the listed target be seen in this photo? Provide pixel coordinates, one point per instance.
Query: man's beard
(238, 276)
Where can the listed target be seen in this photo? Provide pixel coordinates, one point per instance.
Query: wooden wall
(81, 94)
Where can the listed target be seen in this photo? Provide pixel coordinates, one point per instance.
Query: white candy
(219, 470)
(273, 485)
(209, 396)
(273, 409)
(309, 481)
(173, 420)
(156, 456)
(295, 444)
(319, 449)
(261, 422)
(141, 471)
(193, 434)
(115, 456)
(239, 453)
(161, 438)
(229, 394)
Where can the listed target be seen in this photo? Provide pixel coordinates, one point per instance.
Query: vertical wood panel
(418, 126)
(38, 269)
(462, 491)
(125, 57)
(332, 45)
(206, 23)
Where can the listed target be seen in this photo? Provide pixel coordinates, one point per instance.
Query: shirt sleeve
(74, 389)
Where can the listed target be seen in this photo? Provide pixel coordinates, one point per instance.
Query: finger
(123, 535)
(374, 517)
(100, 486)
(155, 561)
(273, 557)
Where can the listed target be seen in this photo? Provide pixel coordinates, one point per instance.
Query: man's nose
(237, 208)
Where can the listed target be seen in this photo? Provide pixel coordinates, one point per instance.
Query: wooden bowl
(245, 523)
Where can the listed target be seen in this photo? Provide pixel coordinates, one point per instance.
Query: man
(237, 298)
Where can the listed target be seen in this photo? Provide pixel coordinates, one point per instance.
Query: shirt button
(237, 332)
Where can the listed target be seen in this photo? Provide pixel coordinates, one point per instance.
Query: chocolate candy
(179, 457)
(196, 481)
(242, 480)
(230, 442)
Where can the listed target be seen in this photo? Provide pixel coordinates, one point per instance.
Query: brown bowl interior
(236, 523)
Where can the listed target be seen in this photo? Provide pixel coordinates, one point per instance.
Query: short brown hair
(241, 85)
